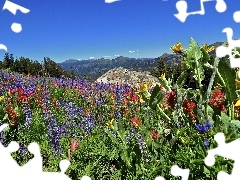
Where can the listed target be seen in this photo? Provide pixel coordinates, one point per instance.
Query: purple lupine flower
(28, 114)
(208, 124)
(118, 93)
(142, 147)
(53, 130)
(204, 128)
(2, 137)
(206, 142)
(90, 124)
(201, 128)
(23, 148)
(131, 134)
(117, 114)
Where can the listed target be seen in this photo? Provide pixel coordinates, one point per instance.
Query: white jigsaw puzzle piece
(182, 6)
(236, 16)
(64, 164)
(177, 171)
(85, 178)
(111, 1)
(222, 51)
(4, 47)
(10, 169)
(34, 165)
(159, 178)
(227, 150)
(7, 163)
(12, 7)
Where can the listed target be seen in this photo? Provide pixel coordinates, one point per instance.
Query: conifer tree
(160, 69)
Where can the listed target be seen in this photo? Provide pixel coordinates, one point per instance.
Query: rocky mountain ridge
(123, 75)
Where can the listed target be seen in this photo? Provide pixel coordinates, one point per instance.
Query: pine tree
(160, 69)
(6, 61)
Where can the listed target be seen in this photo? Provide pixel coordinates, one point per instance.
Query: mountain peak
(71, 61)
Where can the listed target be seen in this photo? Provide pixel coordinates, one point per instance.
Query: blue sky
(80, 29)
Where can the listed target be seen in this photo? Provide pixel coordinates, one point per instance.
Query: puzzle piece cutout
(12, 7)
(16, 27)
(227, 150)
(222, 51)
(111, 1)
(182, 7)
(9, 167)
(236, 16)
(177, 171)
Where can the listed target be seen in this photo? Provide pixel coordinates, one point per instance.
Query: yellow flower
(141, 98)
(110, 123)
(238, 74)
(143, 87)
(218, 86)
(139, 93)
(177, 48)
(163, 76)
(1, 98)
(237, 103)
(212, 48)
(149, 83)
(205, 47)
(143, 91)
(237, 82)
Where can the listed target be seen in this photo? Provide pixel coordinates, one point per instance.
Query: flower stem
(163, 113)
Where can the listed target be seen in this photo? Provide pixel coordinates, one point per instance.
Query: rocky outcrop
(122, 75)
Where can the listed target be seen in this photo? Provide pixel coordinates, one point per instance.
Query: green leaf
(164, 83)
(206, 56)
(5, 116)
(194, 60)
(156, 97)
(199, 72)
(114, 140)
(236, 123)
(173, 140)
(193, 53)
(228, 74)
(210, 113)
(225, 118)
(181, 79)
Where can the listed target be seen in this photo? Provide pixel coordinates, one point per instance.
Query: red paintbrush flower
(135, 98)
(20, 91)
(155, 135)
(217, 99)
(74, 145)
(12, 115)
(188, 108)
(126, 111)
(135, 122)
(54, 100)
(171, 99)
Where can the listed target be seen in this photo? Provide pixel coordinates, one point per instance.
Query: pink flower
(74, 145)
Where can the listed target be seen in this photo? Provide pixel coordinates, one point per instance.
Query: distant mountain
(173, 59)
(94, 68)
(69, 61)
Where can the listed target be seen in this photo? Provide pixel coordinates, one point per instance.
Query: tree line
(27, 66)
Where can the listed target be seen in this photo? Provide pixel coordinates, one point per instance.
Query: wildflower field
(118, 131)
